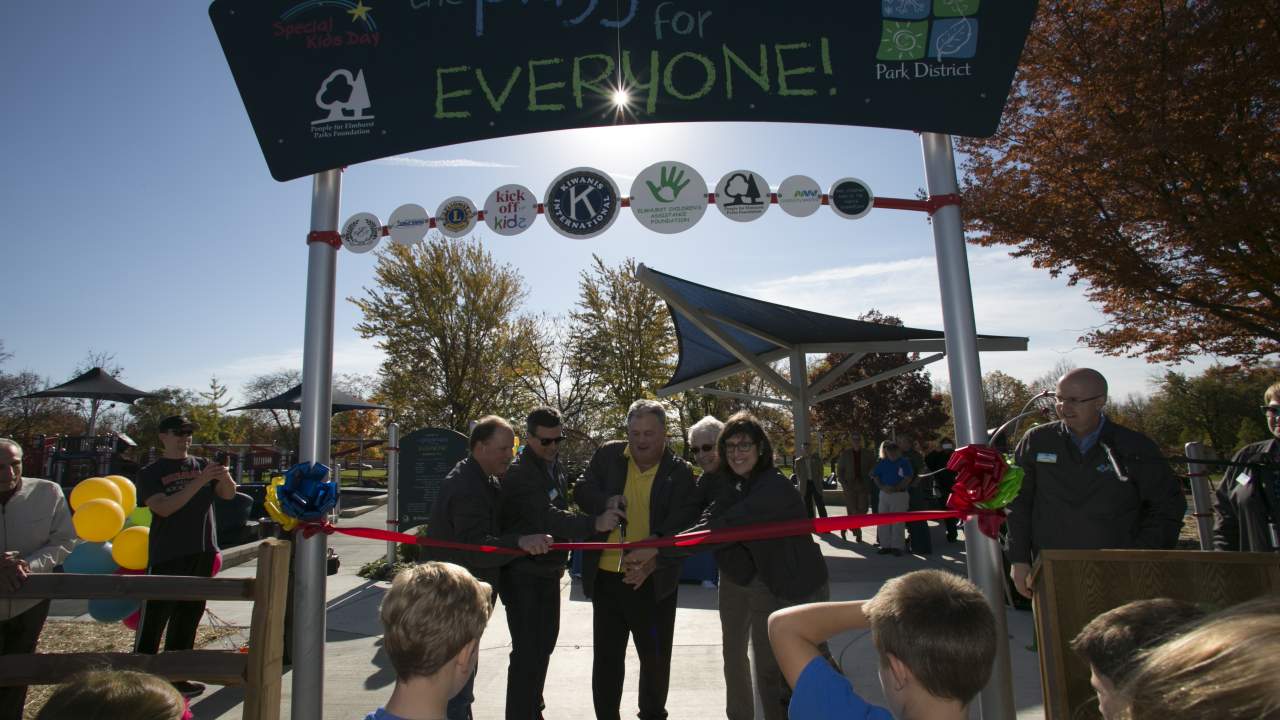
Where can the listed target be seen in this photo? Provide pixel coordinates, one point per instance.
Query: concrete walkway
(360, 679)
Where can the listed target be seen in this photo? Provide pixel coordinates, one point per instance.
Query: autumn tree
(904, 404)
(446, 315)
(1138, 155)
(621, 336)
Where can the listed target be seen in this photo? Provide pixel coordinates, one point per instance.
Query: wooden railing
(258, 670)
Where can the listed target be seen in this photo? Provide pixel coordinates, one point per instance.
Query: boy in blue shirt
(432, 618)
(933, 631)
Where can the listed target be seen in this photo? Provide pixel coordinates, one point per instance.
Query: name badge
(1243, 478)
(1104, 468)
(1047, 457)
(553, 494)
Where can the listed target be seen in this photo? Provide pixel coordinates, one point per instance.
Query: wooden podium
(1071, 587)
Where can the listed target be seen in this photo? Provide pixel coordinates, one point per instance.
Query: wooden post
(266, 632)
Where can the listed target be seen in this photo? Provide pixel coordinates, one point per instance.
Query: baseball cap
(177, 422)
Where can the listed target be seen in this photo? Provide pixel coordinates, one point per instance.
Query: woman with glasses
(892, 474)
(1247, 504)
(757, 576)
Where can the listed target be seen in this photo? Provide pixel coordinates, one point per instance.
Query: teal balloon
(90, 558)
(141, 516)
(112, 609)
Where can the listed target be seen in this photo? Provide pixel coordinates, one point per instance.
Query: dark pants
(459, 706)
(618, 611)
(920, 541)
(533, 618)
(181, 617)
(814, 504)
(18, 636)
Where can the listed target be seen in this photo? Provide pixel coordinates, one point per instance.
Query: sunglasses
(707, 447)
(550, 441)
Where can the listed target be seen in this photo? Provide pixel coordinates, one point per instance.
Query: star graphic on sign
(359, 11)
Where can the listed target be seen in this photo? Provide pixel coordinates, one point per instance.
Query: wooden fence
(258, 670)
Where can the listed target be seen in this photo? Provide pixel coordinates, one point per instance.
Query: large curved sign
(329, 83)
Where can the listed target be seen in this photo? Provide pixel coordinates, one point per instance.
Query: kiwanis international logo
(582, 203)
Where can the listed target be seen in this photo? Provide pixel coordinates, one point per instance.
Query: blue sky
(142, 220)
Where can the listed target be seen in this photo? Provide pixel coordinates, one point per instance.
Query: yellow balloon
(129, 548)
(98, 520)
(128, 493)
(92, 489)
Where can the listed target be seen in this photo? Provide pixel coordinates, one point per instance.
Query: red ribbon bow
(978, 470)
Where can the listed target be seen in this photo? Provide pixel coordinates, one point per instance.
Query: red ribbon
(978, 470)
(761, 531)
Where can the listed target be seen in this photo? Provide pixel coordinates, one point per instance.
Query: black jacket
(1242, 510)
(674, 503)
(791, 567)
(468, 511)
(535, 501)
(1070, 501)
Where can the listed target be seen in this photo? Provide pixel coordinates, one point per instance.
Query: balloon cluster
(304, 493)
(116, 532)
(985, 480)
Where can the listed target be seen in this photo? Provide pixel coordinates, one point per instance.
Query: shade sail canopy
(291, 399)
(721, 334)
(95, 384)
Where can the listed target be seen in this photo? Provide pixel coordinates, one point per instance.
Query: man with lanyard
(1089, 483)
(1247, 502)
(535, 500)
(179, 489)
(468, 511)
(635, 596)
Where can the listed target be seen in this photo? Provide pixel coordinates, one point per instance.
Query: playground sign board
(328, 83)
(426, 457)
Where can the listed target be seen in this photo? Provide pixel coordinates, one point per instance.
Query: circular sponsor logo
(581, 203)
(668, 197)
(455, 217)
(408, 224)
(742, 195)
(510, 209)
(799, 196)
(851, 198)
(361, 232)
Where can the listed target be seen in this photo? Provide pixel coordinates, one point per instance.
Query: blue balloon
(91, 558)
(112, 609)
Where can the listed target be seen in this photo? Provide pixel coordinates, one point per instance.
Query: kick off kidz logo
(353, 24)
(927, 39)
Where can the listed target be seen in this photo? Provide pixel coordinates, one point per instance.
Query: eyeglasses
(1271, 409)
(706, 447)
(550, 441)
(742, 447)
(1076, 401)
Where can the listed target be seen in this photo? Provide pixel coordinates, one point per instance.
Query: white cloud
(449, 163)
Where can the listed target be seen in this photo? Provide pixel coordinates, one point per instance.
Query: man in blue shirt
(934, 633)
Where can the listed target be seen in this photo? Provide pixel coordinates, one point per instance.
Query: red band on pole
(331, 237)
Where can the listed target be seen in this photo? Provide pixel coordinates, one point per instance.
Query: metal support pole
(800, 405)
(313, 446)
(393, 486)
(986, 569)
(1201, 497)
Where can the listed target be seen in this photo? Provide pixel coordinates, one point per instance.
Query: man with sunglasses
(1246, 506)
(534, 500)
(179, 489)
(1089, 483)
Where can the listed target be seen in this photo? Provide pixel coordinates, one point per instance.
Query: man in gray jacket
(35, 535)
(1089, 483)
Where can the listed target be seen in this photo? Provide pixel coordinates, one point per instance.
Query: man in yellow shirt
(634, 595)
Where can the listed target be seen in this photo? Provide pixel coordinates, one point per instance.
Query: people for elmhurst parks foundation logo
(345, 97)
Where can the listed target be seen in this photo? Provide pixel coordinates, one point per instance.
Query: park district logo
(345, 99)
(921, 34)
(582, 203)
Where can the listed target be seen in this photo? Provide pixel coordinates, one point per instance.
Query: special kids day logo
(582, 203)
(928, 32)
(669, 197)
(352, 25)
(345, 98)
